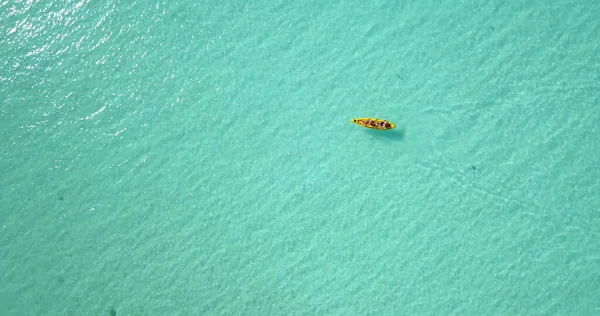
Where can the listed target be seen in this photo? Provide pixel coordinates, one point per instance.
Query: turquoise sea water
(196, 158)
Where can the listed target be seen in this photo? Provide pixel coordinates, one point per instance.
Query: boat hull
(373, 123)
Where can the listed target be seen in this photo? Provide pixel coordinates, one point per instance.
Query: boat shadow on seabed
(392, 134)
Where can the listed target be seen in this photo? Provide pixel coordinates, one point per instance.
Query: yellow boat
(373, 123)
